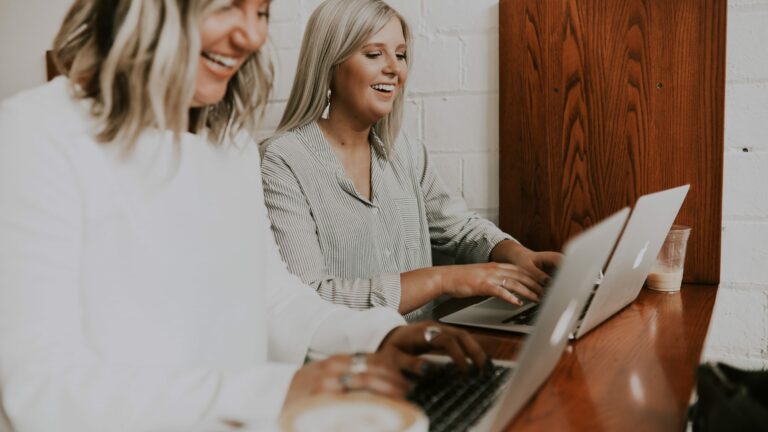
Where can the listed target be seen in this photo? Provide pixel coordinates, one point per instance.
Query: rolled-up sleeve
(295, 232)
(324, 328)
(454, 230)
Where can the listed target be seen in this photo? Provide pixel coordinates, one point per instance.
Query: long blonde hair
(336, 29)
(138, 59)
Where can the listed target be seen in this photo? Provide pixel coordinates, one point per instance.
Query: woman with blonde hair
(355, 206)
(140, 286)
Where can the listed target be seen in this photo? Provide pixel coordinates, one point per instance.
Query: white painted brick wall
(461, 16)
(747, 25)
(462, 123)
(739, 324)
(437, 65)
(747, 107)
(453, 109)
(481, 49)
(738, 333)
(745, 172)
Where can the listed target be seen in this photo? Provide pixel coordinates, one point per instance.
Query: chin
(208, 98)
(381, 112)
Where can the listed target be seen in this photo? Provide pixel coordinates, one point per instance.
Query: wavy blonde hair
(336, 29)
(138, 59)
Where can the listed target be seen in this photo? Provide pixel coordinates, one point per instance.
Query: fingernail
(488, 366)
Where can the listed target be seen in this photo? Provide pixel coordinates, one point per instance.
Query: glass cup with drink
(667, 272)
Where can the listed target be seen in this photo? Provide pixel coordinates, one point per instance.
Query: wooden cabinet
(602, 101)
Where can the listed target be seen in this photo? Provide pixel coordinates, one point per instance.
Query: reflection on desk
(634, 372)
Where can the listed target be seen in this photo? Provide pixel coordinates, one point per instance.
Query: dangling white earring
(327, 110)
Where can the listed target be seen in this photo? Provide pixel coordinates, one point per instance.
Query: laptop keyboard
(454, 401)
(525, 317)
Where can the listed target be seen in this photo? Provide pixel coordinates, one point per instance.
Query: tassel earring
(327, 110)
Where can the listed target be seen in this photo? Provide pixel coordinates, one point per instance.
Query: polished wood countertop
(635, 372)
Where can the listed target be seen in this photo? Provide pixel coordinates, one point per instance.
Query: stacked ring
(359, 364)
(345, 380)
(430, 333)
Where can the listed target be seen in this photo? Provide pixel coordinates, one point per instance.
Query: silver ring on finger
(359, 364)
(346, 382)
(503, 283)
(432, 332)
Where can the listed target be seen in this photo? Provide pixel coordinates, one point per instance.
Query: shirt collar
(378, 145)
(312, 136)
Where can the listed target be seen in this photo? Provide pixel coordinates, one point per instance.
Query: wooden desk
(634, 372)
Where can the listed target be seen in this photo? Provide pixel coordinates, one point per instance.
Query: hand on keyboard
(404, 345)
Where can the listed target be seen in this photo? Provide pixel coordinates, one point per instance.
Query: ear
(332, 75)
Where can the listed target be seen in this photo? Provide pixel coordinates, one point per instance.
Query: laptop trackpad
(496, 303)
(491, 312)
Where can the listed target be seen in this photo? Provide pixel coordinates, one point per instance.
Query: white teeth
(220, 59)
(384, 87)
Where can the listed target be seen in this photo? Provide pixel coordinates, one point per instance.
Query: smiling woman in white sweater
(140, 285)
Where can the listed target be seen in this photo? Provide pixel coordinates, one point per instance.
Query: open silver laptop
(629, 265)
(634, 256)
(584, 256)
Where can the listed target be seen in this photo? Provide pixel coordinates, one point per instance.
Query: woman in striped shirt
(355, 206)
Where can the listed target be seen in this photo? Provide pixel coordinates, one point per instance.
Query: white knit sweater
(145, 293)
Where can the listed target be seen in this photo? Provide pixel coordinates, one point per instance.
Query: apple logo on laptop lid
(640, 255)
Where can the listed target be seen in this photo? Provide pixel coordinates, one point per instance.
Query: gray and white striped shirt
(350, 249)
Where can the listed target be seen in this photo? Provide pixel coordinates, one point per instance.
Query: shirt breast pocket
(410, 221)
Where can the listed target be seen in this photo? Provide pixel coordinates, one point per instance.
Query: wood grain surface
(604, 101)
(635, 372)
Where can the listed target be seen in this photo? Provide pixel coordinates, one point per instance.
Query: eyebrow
(381, 45)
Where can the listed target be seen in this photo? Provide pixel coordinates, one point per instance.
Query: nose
(393, 65)
(251, 33)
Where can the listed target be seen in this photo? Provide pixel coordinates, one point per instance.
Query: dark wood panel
(604, 101)
(634, 372)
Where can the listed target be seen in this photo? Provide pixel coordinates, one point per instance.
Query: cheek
(359, 78)
(362, 71)
(208, 32)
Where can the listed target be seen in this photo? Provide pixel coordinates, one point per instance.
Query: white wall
(27, 28)
(453, 108)
(738, 333)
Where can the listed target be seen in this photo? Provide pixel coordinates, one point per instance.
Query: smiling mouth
(220, 60)
(384, 88)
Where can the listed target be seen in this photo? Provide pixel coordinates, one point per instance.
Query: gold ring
(503, 282)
